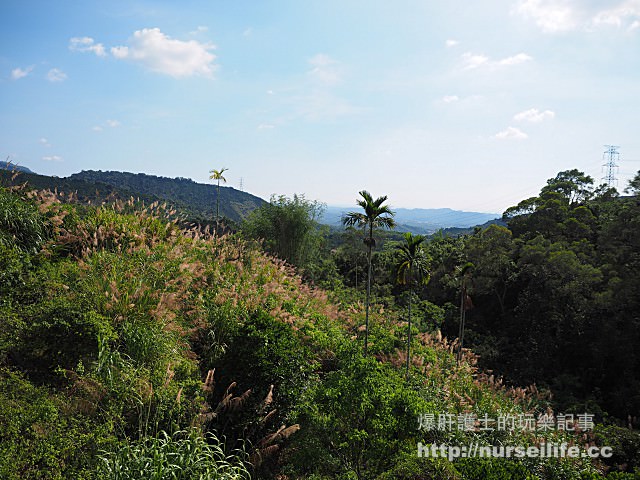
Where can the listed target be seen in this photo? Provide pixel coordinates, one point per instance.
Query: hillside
(194, 200)
(126, 341)
(198, 199)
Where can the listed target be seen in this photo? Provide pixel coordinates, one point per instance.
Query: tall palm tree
(376, 215)
(464, 277)
(413, 270)
(217, 175)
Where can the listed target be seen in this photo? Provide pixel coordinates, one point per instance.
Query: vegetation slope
(133, 348)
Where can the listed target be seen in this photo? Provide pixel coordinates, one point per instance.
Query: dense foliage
(130, 344)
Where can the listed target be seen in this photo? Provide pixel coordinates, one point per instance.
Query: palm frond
(356, 219)
(217, 174)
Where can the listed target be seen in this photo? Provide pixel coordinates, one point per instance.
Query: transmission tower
(611, 156)
(241, 184)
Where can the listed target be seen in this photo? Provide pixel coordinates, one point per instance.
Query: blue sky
(468, 105)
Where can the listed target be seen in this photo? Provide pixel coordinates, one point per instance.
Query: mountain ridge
(198, 200)
(420, 220)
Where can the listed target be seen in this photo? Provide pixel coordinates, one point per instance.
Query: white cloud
(514, 60)
(511, 133)
(558, 16)
(533, 115)
(474, 61)
(160, 53)
(452, 43)
(56, 75)
(52, 158)
(199, 29)
(266, 126)
(450, 98)
(87, 44)
(471, 61)
(44, 142)
(106, 124)
(626, 14)
(325, 69)
(18, 73)
(552, 16)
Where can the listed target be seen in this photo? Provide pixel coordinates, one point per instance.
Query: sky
(470, 105)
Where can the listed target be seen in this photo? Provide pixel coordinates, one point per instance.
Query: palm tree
(464, 276)
(413, 269)
(376, 215)
(217, 175)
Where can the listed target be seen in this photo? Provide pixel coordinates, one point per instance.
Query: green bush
(186, 455)
(21, 224)
(38, 439)
(357, 419)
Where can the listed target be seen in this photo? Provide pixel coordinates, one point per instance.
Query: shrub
(185, 455)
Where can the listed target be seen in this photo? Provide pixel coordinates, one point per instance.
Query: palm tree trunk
(409, 331)
(218, 208)
(462, 319)
(366, 321)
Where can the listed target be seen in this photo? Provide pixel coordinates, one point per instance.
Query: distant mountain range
(198, 200)
(420, 220)
(7, 165)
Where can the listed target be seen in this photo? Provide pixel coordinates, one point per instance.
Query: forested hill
(197, 200)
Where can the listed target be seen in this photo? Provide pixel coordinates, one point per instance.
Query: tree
(376, 215)
(413, 269)
(217, 175)
(288, 227)
(573, 185)
(634, 185)
(464, 276)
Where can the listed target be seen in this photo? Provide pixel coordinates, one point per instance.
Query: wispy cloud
(514, 60)
(550, 16)
(511, 133)
(533, 115)
(325, 69)
(18, 73)
(472, 61)
(44, 142)
(625, 15)
(87, 44)
(160, 53)
(198, 30)
(561, 16)
(52, 158)
(106, 124)
(450, 98)
(451, 43)
(56, 75)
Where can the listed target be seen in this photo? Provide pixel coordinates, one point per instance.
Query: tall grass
(185, 455)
